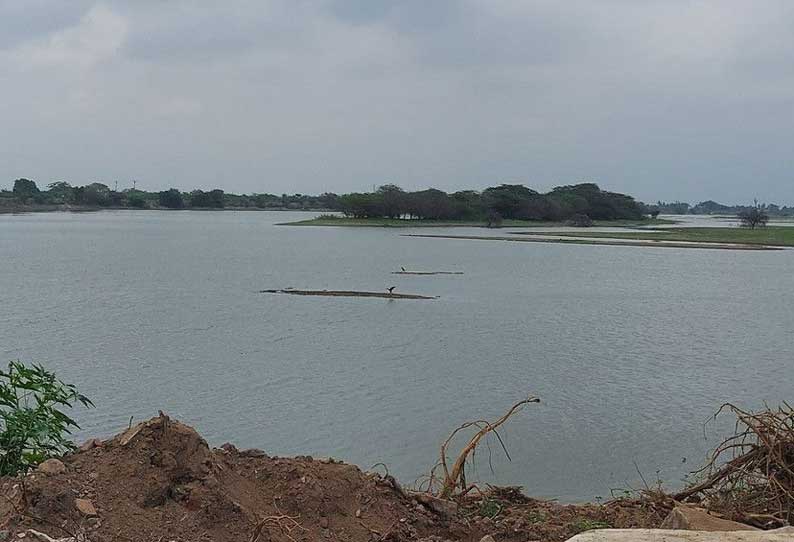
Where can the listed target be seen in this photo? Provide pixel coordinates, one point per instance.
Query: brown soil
(159, 481)
(346, 293)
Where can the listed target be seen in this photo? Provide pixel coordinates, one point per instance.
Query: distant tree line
(26, 192)
(711, 207)
(579, 202)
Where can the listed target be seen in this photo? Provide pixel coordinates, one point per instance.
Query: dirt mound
(160, 481)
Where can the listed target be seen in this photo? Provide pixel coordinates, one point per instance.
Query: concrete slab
(669, 535)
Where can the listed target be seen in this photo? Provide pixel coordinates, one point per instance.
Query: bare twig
(455, 476)
(286, 524)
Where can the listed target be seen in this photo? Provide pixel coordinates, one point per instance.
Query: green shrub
(32, 428)
(586, 524)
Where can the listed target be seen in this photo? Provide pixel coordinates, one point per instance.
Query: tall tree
(26, 190)
(754, 216)
(392, 200)
(93, 194)
(171, 199)
(60, 192)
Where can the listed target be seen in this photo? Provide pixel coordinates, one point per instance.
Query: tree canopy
(211, 200)
(171, 199)
(753, 217)
(100, 195)
(26, 190)
(508, 201)
(492, 205)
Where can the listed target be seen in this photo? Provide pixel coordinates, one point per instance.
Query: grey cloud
(184, 31)
(662, 99)
(22, 21)
(411, 16)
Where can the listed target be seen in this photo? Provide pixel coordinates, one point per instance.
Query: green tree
(212, 199)
(599, 204)
(392, 200)
(26, 191)
(754, 216)
(263, 201)
(216, 198)
(509, 200)
(328, 200)
(136, 200)
(429, 204)
(97, 194)
(568, 202)
(360, 205)
(60, 192)
(198, 198)
(171, 199)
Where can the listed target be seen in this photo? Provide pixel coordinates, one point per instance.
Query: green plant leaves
(32, 428)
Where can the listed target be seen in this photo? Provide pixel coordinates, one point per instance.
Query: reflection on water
(630, 349)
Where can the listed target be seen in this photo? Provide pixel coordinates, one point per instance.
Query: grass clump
(490, 508)
(536, 517)
(33, 426)
(769, 235)
(587, 524)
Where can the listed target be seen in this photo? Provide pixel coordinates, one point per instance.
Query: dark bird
(391, 289)
(403, 269)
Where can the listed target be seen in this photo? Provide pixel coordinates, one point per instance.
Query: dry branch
(750, 475)
(455, 476)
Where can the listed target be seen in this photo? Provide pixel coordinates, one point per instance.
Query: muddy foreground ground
(160, 481)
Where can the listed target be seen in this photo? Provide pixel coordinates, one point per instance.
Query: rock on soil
(89, 444)
(160, 481)
(698, 519)
(51, 467)
(85, 507)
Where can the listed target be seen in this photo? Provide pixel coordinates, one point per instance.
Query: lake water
(630, 349)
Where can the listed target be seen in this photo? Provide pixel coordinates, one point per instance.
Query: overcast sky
(662, 99)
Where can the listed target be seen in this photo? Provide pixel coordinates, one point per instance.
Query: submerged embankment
(346, 293)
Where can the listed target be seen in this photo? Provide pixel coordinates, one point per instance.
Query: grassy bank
(328, 220)
(782, 236)
(618, 241)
